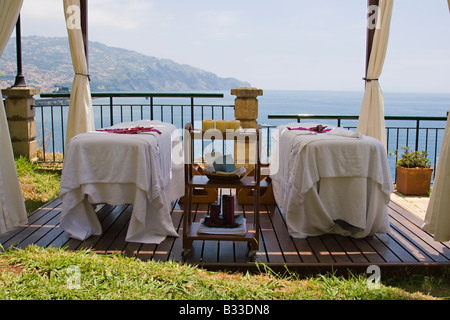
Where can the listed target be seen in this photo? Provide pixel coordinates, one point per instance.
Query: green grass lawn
(37, 273)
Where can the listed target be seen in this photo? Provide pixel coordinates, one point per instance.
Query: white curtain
(371, 117)
(12, 206)
(437, 218)
(80, 118)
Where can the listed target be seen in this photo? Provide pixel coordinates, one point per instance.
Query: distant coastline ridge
(47, 64)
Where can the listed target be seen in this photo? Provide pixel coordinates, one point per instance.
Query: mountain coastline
(47, 65)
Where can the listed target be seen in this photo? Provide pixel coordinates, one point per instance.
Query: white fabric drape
(371, 118)
(12, 206)
(80, 118)
(437, 218)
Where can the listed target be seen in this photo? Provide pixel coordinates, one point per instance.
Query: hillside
(47, 63)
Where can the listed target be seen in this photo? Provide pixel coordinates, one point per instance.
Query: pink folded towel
(318, 129)
(134, 130)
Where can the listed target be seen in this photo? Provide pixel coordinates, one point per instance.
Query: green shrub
(414, 159)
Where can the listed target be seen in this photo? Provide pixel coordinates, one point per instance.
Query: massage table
(331, 182)
(138, 163)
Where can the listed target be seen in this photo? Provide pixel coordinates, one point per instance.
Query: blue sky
(283, 44)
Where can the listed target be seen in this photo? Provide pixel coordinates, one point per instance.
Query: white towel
(345, 133)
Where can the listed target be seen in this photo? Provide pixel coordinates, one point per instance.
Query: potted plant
(413, 172)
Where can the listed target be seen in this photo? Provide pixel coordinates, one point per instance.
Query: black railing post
(111, 112)
(417, 135)
(151, 108)
(192, 110)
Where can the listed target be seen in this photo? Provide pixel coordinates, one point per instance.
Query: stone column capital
(247, 92)
(20, 92)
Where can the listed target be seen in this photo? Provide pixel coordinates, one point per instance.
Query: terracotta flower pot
(413, 181)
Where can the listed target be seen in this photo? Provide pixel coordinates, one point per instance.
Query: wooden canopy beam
(370, 31)
(84, 26)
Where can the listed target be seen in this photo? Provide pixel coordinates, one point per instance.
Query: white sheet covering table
(140, 169)
(336, 182)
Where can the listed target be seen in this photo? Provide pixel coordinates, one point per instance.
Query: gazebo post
(20, 79)
(370, 32)
(84, 26)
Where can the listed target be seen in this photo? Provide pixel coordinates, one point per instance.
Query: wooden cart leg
(253, 247)
(185, 253)
(251, 255)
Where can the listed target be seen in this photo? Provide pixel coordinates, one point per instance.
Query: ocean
(312, 102)
(273, 102)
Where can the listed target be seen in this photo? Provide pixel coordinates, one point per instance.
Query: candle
(208, 124)
(233, 124)
(221, 125)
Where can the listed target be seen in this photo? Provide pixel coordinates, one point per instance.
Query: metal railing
(417, 133)
(179, 108)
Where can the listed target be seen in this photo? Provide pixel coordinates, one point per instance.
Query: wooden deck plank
(405, 244)
(118, 244)
(35, 223)
(102, 212)
(320, 250)
(351, 250)
(409, 246)
(41, 231)
(285, 241)
(31, 219)
(336, 251)
(132, 250)
(106, 219)
(393, 251)
(196, 251)
(110, 235)
(422, 246)
(305, 252)
(261, 254)
(164, 250)
(368, 251)
(412, 229)
(273, 249)
(210, 251)
(241, 252)
(226, 252)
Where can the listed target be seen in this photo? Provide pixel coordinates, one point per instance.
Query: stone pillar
(246, 111)
(20, 113)
(246, 106)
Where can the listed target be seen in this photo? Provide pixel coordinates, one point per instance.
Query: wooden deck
(406, 245)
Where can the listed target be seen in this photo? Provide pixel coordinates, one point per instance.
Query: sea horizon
(321, 102)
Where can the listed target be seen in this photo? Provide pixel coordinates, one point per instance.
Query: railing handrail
(138, 95)
(151, 95)
(417, 120)
(352, 117)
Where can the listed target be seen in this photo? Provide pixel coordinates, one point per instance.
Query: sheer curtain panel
(12, 206)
